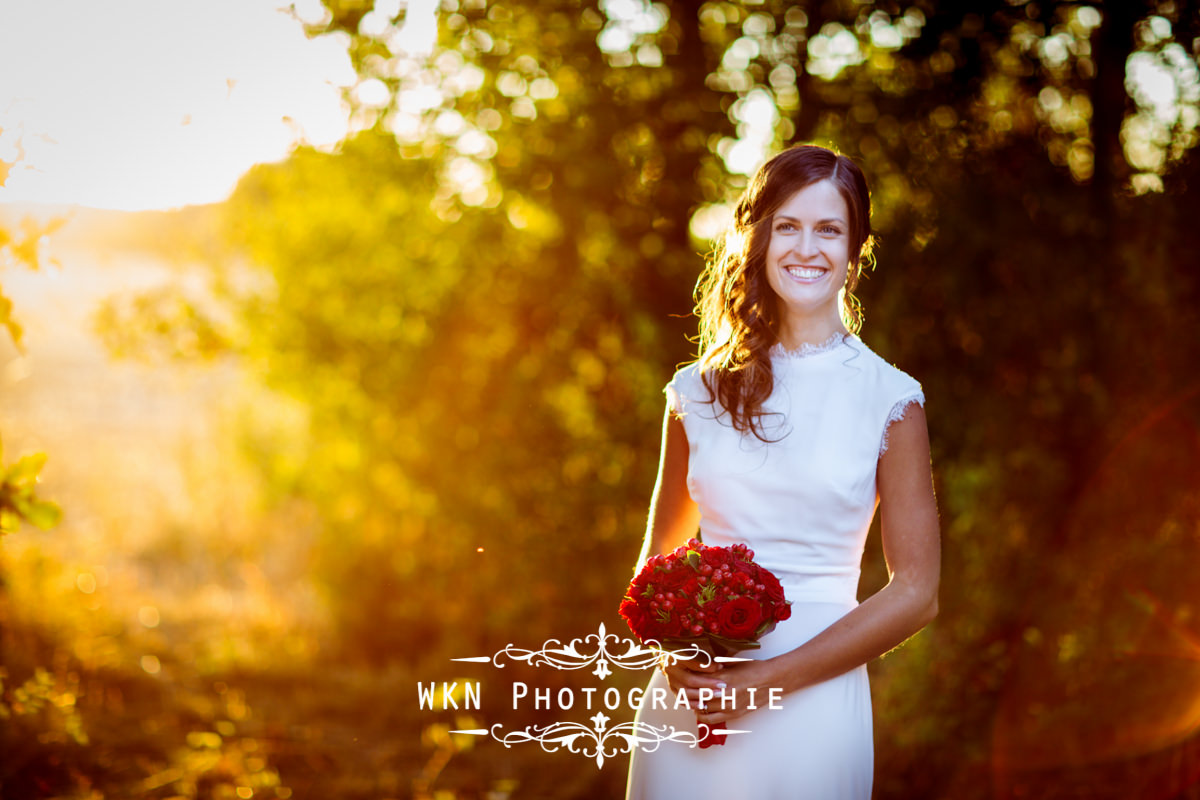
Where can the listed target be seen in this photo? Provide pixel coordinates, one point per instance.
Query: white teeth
(805, 272)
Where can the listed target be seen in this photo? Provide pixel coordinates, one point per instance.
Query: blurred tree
(1030, 163)
(490, 302)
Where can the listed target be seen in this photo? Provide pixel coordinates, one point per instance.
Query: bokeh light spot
(148, 616)
(86, 582)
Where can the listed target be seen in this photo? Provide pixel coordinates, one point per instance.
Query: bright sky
(137, 104)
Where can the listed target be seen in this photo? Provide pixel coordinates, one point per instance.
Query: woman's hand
(690, 675)
(736, 680)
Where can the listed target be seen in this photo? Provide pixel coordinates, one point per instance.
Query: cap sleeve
(681, 391)
(672, 393)
(899, 409)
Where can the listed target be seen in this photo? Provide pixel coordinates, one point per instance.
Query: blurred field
(145, 459)
(169, 625)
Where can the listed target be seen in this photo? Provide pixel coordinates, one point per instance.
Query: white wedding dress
(803, 504)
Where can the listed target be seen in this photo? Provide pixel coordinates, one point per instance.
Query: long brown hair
(737, 308)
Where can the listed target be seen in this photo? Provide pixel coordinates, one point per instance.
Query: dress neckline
(807, 350)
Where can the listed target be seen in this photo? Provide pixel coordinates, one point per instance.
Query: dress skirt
(817, 745)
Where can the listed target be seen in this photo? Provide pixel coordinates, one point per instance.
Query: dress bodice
(804, 500)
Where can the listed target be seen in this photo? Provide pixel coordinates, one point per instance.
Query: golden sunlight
(152, 104)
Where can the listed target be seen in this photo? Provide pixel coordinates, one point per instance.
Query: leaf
(15, 331)
(6, 319)
(20, 504)
(24, 473)
(43, 514)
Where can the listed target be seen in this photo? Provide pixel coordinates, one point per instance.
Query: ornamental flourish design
(595, 742)
(595, 649)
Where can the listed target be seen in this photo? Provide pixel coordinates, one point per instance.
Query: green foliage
(51, 706)
(160, 326)
(464, 392)
(18, 500)
(74, 731)
(482, 361)
(22, 248)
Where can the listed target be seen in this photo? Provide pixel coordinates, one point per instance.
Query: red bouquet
(713, 598)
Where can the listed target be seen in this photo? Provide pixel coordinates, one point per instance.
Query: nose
(806, 244)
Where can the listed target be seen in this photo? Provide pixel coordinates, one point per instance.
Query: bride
(785, 436)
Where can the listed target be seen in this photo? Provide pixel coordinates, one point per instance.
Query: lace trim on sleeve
(897, 413)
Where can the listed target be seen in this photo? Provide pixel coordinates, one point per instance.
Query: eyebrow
(819, 222)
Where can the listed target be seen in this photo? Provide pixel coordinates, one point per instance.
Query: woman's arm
(674, 516)
(905, 605)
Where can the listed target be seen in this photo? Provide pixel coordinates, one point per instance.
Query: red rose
(771, 586)
(635, 616)
(713, 607)
(740, 618)
(675, 577)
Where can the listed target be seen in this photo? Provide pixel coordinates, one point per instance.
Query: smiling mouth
(806, 273)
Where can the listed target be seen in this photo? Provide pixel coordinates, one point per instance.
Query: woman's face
(809, 252)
